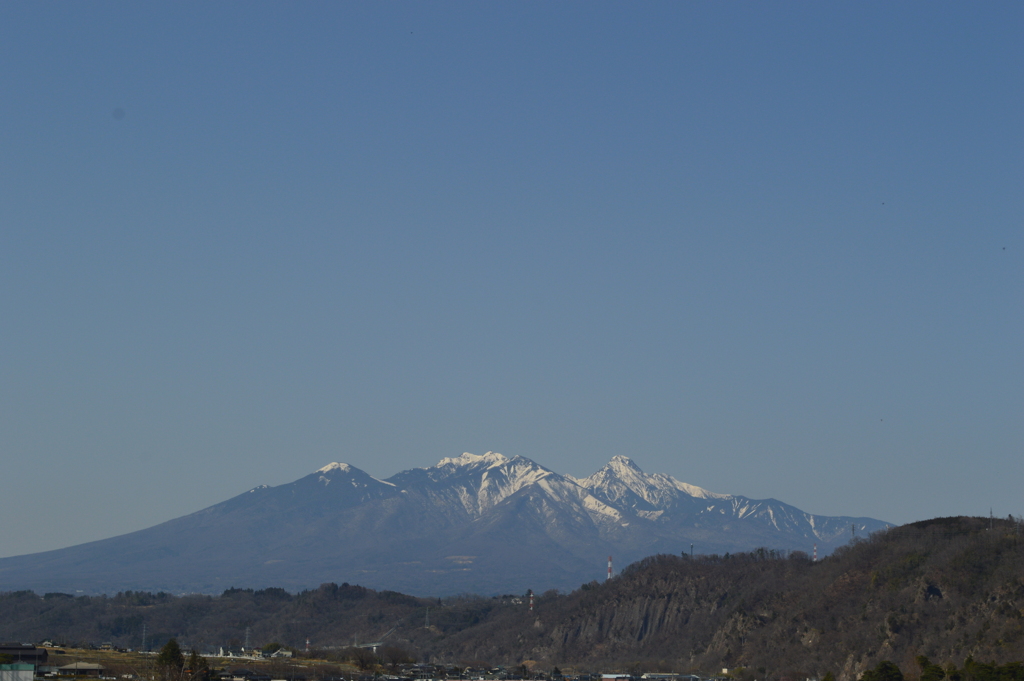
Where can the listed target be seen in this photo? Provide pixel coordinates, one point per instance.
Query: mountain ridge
(948, 588)
(485, 523)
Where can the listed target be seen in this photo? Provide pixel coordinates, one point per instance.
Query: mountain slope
(947, 588)
(473, 523)
(669, 502)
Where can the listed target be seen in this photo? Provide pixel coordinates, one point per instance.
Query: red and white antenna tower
(531, 600)
(609, 567)
(815, 553)
(307, 645)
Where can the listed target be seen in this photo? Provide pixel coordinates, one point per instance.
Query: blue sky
(770, 249)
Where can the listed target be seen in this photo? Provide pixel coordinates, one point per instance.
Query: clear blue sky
(770, 249)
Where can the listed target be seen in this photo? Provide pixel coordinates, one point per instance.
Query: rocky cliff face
(947, 589)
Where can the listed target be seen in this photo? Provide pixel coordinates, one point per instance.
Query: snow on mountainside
(472, 523)
(618, 500)
(479, 483)
(659, 497)
(355, 477)
(658, 506)
(621, 481)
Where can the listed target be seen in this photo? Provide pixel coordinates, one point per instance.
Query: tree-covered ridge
(948, 590)
(331, 615)
(929, 671)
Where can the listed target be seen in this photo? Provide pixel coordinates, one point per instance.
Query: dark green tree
(171, 661)
(979, 671)
(885, 671)
(197, 668)
(393, 656)
(364, 658)
(929, 671)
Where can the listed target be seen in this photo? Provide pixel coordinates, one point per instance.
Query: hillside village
(107, 663)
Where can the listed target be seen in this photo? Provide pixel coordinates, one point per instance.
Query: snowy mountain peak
(343, 467)
(484, 523)
(620, 470)
(474, 482)
(619, 461)
(622, 482)
(353, 475)
(624, 469)
(490, 459)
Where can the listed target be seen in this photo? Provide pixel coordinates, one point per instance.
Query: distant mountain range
(472, 524)
(950, 588)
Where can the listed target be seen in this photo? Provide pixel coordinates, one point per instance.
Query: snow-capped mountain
(476, 483)
(621, 483)
(473, 523)
(664, 499)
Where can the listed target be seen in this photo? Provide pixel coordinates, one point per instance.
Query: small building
(241, 674)
(81, 669)
(24, 653)
(16, 672)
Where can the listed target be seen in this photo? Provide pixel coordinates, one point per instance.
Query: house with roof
(24, 653)
(81, 669)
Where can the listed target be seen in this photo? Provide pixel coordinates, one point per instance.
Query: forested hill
(945, 588)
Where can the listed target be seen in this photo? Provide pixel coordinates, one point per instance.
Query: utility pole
(247, 639)
(143, 636)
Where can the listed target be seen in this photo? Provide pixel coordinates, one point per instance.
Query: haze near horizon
(772, 251)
